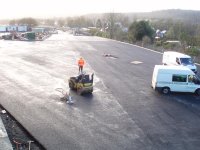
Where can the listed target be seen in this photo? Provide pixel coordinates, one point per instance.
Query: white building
(3, 28)
(22, 28)
(11, 28)
(38, 30)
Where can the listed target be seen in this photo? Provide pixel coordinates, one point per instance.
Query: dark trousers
(80, 68)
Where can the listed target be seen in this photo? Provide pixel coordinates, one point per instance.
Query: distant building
(42, 29)
(11, 28)
(38, 30)
(3, 28)
(22, 28)
(175, 42)
(160, 34)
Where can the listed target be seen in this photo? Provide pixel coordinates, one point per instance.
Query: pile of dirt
(19, 137)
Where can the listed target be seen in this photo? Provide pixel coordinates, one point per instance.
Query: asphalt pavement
(122, 113)
(169, 122)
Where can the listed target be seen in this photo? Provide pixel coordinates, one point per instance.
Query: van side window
(179, 78)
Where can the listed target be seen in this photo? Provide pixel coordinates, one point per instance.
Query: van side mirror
(193, 59)
(177, 61)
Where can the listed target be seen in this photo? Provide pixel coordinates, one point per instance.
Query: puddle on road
(54, 97)
(136, 62)
(59, 103)
(35, 60)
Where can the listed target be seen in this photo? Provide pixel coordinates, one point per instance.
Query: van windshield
(186, 61)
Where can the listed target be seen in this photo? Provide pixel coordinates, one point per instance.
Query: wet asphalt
(123, 112)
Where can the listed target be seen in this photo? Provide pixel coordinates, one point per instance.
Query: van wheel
(166, 90)
(198, 92)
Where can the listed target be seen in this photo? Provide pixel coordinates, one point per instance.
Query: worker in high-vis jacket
(81, 63)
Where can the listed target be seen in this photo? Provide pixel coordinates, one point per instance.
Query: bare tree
(110, 18)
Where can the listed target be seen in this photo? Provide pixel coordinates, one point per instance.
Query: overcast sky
(11, 9)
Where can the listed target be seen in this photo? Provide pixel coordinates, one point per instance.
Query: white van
(178, 59)
(175, 79)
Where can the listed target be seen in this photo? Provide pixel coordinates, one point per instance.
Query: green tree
(114, 24)
(79, 22)
(111, 19)
(124, 20)
(138, 30)
(171, 34)
(28, 21)
(98, 24)
(132, 32)
(50, 22)
(146, 40)
(70, 22)
(61, 22)
(184, 40)
(12, 22)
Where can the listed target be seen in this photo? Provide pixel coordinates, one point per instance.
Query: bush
(138, 30)
(167, 46)
(146, 40)
(93, 31)
(158, 43)
(172, 45)
(193, 51)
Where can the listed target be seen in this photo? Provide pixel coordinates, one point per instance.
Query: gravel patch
(19, 137)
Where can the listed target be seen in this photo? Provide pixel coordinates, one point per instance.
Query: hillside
(189, 16)
(174, 14)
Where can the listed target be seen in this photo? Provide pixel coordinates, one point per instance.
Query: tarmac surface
(122, 113)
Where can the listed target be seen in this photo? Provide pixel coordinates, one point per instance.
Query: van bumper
(159, 89)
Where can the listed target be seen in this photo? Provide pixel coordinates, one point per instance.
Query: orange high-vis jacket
(81, 62)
